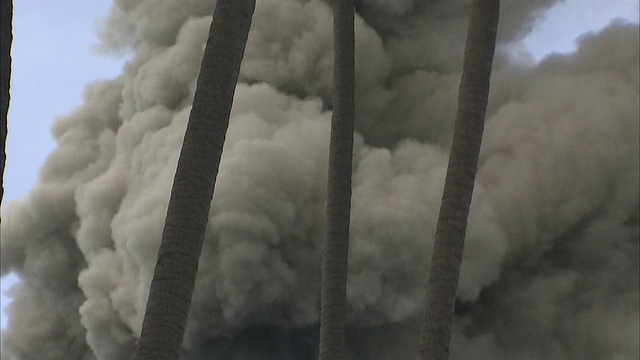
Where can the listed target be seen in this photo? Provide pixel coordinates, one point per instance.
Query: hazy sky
(53, 60)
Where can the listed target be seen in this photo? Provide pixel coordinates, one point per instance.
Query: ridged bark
(444, 272)
(336, 248)
(177, 264)
(6, 38)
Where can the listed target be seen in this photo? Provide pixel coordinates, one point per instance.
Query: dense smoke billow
(551, 265)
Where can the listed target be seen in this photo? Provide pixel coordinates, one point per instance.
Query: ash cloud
(551, 263)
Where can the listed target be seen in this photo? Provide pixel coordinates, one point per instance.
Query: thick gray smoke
(551, 266)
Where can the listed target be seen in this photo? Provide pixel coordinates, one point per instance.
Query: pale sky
(53, 60)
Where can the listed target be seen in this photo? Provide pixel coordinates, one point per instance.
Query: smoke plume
(551, 264)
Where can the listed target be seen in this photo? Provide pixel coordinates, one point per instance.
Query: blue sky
(47, 79)
(53, 60)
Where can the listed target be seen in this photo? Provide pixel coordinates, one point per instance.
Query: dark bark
(446, 258)
(176, 268)
(336, 248)
(6, 38)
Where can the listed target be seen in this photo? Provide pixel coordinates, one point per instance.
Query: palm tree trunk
(336, 248)
(446, 258)
(6, 38)
(175, 272)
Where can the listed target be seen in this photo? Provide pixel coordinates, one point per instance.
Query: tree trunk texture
(336, 248)
(6, 38)
(446, 258)
(177, 264)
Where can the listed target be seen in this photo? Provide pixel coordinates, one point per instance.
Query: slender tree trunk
(446, 259)
(175, 272)
(336, 248)
(6, 38)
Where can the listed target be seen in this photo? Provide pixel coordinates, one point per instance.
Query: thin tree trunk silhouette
(336, 248)
(177, 264)
(446, 258)
(6, 38)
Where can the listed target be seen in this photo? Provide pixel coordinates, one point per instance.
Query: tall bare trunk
(336, 248)
(6, 38)
(446, 259)
(176, 268)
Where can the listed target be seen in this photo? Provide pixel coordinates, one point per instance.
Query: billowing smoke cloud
(551, 267)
